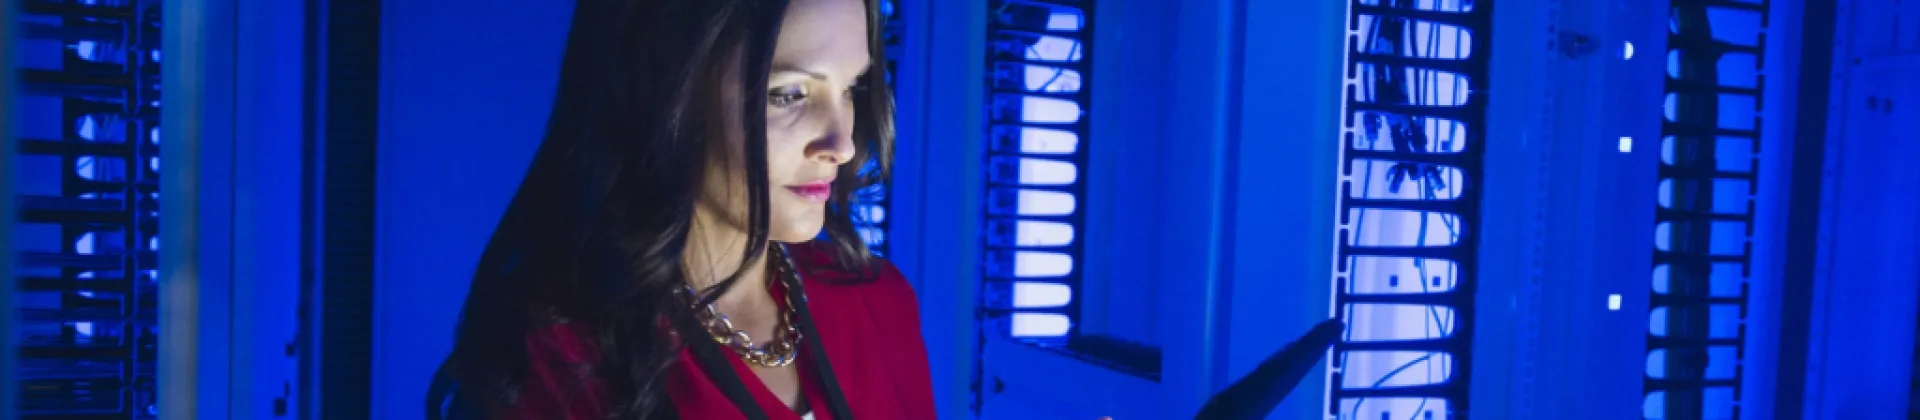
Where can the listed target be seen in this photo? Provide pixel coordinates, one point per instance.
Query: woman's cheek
(781, 118)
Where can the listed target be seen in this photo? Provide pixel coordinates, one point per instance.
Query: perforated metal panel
(88, 207)
(1411, 152)
(1704, 224)
(1037, 64)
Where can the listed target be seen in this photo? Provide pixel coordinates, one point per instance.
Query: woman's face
(820, 55)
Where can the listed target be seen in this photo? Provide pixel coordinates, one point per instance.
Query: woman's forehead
(824, 36)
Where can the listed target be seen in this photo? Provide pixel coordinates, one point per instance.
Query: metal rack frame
(1016, 29)
(88, 303)
(1696, 282)
(1436, 146)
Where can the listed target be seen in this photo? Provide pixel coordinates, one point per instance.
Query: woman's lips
(813, 191)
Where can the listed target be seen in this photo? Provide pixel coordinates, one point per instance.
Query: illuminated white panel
(1027, 294)
(1458, 40)
(1673, 69)
(1036, 169)
(86, 50)
(1399, 275)
(1040, 109)
(1032, 233)
(1051, 79)
(1657, 363)
(1446, 88)
(1365, 369)
(1041, 264)
(1048, 141)
(1386, 322)
(84, 167)
(1403, 228)
(1040, 325)
(1657, 321)
(1670, 104)
(88, 128)
(1393, 408)
(869, 213)
(1069, 21)
(1047, 172)
(1053, 48)
(1045, 203)
(873, 236)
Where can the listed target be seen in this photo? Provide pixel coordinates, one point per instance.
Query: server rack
(1703, 248)
(1036, 166)
(87, 232)
(1406, 247)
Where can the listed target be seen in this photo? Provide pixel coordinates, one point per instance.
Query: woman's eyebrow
(789, 68)
(792, 69)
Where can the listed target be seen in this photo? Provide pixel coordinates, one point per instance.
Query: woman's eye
(785, 97)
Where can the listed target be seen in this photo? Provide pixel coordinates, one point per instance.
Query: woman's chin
(795, 233)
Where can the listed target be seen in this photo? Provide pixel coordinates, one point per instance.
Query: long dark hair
(597, 230)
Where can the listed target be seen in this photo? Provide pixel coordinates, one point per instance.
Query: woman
(659, 260)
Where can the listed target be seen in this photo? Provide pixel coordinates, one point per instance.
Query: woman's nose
(836, 144)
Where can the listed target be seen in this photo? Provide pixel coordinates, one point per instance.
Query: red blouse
(869, 330)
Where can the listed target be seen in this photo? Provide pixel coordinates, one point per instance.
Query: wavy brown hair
(598, 227)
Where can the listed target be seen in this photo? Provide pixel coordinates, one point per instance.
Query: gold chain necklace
(786, 336)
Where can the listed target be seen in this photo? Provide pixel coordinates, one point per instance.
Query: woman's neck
(715, 253)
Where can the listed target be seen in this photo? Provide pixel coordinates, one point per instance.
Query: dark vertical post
(348, 85)
(8, 173)
(1803, 214)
